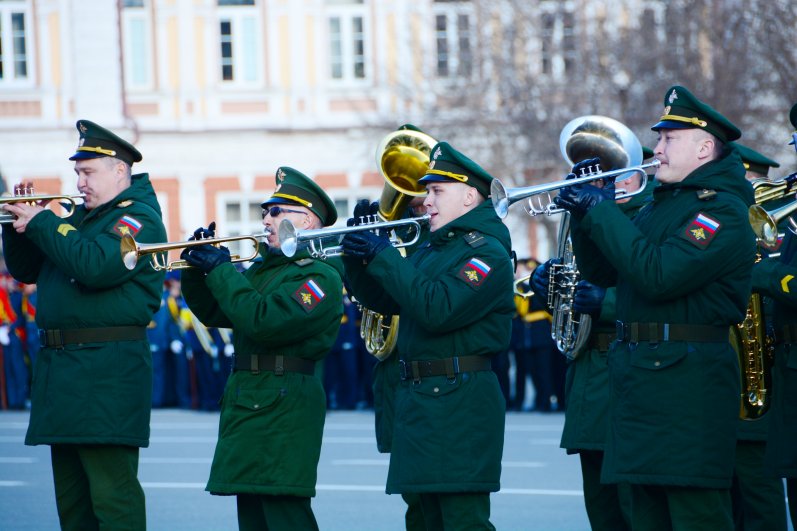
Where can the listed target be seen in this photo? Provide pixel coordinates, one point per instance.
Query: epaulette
(475, 238)
(304, 262)
(124, 204)
(706, 195)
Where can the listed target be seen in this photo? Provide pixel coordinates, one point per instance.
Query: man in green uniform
(454, 299)
(775, 277)
(92, 383)
(759, 502)
(285, 314)
(587, 387)
(682, 269)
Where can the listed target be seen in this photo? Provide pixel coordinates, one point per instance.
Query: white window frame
(138, 48)
(347, 13)
(453, 35)
(557, 54)
(247, 46)
(10, 79)
(246, 225)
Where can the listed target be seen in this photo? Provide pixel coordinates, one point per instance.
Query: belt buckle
(51, 338)
(403, 373)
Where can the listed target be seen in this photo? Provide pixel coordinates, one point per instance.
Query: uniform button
(72, 280)
(256, 406)
(450, 234)
(657, 363)
(436, 389)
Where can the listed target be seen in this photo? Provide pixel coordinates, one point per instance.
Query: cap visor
(278, 201)
(667, 124)
(432, 178)
(83, 155)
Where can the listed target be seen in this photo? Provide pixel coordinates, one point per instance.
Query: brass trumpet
(132, 251)
(324, 243)
(33, 198)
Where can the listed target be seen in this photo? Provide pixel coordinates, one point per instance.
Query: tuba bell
(617, 147)
(403, 158)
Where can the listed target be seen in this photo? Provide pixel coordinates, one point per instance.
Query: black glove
(588, 298)
(203, 233)
(579, 202)
(540, 277)
(586, 165)
(364, 244)
(363, 212)
(206, 257)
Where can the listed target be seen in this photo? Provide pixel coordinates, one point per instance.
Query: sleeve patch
(474, 272)
(127, 225)
(701, 230)
(65, 228)
(309, 295)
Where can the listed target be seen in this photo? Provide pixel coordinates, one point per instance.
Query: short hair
(112, 161)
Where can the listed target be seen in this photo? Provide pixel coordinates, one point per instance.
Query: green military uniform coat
(271, 426)
(448, 435)
(674, 404)
(91, 393)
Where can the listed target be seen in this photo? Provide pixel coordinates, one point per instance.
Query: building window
(239, 44)
(241, 216)
(453, 38)
(137, 45)
(347, 40)
(558, 41)
(15, 54)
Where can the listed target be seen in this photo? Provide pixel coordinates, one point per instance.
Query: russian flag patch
(701, 230)
(127, 225)
(474, 272)
(309, 295)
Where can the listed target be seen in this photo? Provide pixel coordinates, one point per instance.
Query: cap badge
(280, 175)
(667, 110)
(277, 189)
(431, 165)
(81, 142)
(437, 153)
(673, 96)
(83, 128)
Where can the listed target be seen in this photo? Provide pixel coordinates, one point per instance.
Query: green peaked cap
(449, 165)
(753, 160)
(96, 141)
(296, 188)
(682, 110)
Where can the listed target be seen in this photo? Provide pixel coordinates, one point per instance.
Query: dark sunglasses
(276, 211)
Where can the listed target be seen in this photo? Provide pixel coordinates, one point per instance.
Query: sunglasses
(276, 211)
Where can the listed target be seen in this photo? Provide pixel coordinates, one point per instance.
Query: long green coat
(91, 393)
(674, 405)
(270, 426)
(448, 435)
(777, 278)
(587, 380)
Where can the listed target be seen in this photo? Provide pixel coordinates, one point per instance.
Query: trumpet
(504, 197)
(28, 197)
(324, 243)
(132, 250)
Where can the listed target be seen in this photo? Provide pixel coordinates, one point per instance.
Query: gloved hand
(586, 166)
(364, 244)
(206, 257)
(763, 274)
(588, 298)
(540, 277)
(363, 212)
(203, 233)
(579, 202)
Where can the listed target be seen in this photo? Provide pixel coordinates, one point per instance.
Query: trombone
(319, 241)
(132, 251)
(32, 198)
(504, 197)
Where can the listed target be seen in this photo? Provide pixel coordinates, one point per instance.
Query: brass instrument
(582, 138)
(132, 251)
(516, 287)
(26, 195)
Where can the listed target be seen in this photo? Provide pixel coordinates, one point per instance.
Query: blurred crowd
(191, 362)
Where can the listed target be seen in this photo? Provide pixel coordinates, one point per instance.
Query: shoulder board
(304, 262)
(124, 204)
(706, 195)
(475, 238)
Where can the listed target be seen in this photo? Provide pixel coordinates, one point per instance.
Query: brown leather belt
(450, 367)
(279, 365)
(786, 334)
(55, 338)
(655, 332)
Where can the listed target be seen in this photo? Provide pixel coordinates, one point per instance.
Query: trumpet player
(682, 269)
(454, 299)
(92, 382)
(285, 313)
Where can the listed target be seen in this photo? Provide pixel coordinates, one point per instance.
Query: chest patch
(127, 225)
(474, 272)
(701, 230)
(309, 295)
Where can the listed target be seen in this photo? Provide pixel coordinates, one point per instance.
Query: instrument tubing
(278, 364)
(55, 338)
(449, 367)
(655, 332)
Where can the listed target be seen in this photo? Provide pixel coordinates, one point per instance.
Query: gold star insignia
(699, 234)
(306, 298)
